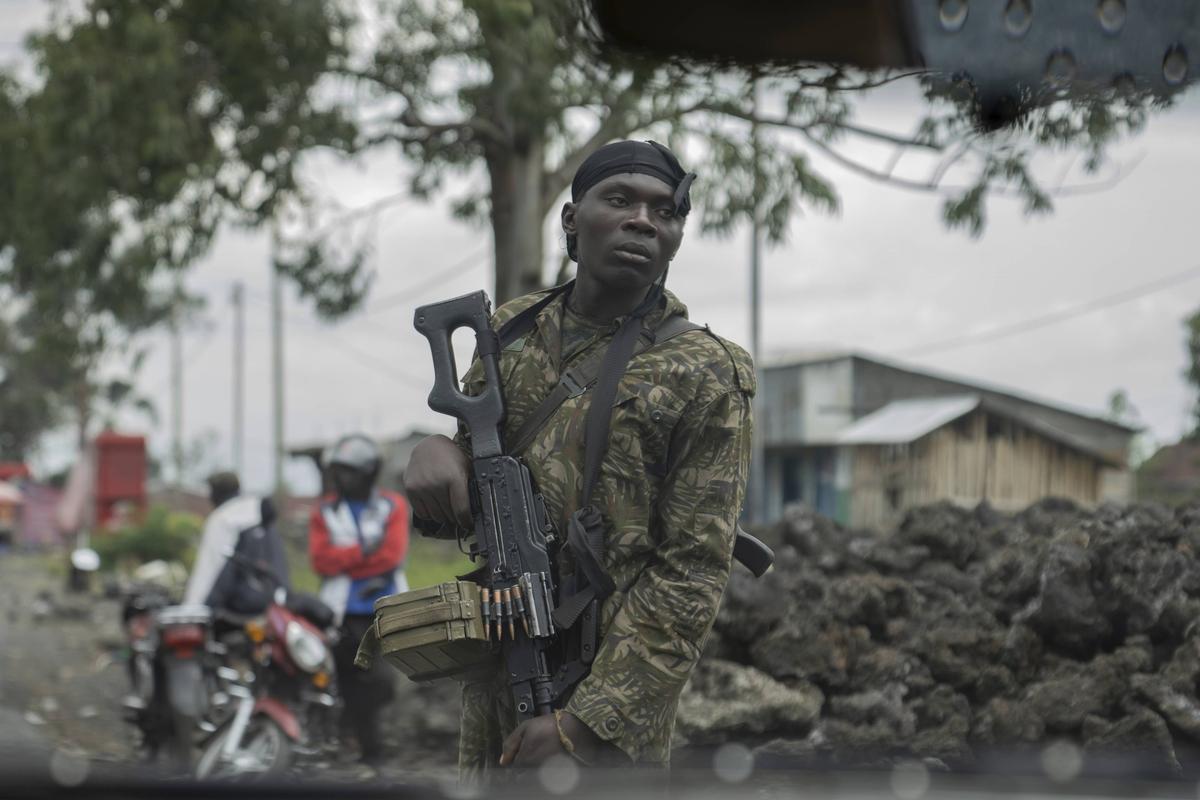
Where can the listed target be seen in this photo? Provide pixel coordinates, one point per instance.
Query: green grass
(50, 563)
(430, 561)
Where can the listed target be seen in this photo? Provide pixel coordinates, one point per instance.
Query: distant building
(27, 515)
(395, 451)
(11, 504)
(862, 440)
(1172, 475)
(37, 528)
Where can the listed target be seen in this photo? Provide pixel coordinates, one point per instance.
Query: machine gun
(512, 535)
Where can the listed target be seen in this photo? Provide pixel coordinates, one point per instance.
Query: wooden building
(862, 440)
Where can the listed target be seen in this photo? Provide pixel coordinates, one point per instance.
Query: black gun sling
(748, 550)
(585, 534)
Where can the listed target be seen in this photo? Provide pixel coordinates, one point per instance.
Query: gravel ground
(62, 678)
(61, 667)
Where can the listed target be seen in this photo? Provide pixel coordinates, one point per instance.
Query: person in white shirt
(245, 524)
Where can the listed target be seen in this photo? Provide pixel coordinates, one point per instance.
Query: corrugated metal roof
(796, 357)
(800, 358)
(904, 421)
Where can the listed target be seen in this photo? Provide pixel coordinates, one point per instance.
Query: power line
(352, 214)
(191, 358)
(460, 267)
(1053, 317)
(375, 362)
(363, 357)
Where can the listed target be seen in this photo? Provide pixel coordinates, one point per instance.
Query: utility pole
(177, 398)
(758, 477)
(277, 368)
(239, 374)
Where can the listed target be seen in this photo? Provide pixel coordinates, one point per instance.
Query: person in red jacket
(357, 541)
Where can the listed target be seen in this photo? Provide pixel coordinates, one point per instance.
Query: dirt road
(61, 669)
(62, 678)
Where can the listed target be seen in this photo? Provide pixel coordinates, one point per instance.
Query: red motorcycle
(282, 684)
(171, 657)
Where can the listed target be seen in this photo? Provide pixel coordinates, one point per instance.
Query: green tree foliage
(1122, 411)
(34, 379)
(160, 535)
(154, 123)
(208, 112)
(150, 125)
(1192, 326)
(517, 88)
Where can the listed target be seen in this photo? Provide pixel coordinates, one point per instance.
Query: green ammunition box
(431, 633)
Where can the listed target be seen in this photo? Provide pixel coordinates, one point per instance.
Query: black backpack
(241, 589)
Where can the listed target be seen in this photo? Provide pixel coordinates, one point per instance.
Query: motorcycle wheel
(179, 748)
(264, 751)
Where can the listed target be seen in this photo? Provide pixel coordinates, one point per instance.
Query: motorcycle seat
(226, 622)
(311, 608)
(235, 618)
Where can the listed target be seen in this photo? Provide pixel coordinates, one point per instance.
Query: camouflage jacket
(671, 489)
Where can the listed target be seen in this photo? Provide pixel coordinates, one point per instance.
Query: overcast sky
(884, 276)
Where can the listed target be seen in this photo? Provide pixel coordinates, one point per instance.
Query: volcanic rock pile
(959, 633)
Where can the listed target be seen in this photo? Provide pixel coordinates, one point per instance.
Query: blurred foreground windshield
(957, 237)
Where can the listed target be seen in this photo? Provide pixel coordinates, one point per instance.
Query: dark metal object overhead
(1010, 54)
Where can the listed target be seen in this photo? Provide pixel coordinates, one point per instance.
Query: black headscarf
(647, 158)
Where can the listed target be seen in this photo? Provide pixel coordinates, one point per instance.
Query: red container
(13, 471)
(120, 474)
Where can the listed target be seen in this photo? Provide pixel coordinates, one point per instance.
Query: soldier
(670, 487)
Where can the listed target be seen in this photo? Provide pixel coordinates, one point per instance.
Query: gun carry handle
(484, 412)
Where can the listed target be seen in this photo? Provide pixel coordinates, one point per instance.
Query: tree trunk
(83, 412)
(516, 177)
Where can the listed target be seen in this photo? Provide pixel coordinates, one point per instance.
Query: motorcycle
(145, 705)
(189, 660)
(172, 662)
(285, 703)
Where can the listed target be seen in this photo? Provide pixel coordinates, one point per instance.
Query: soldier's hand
(535, 740)
(436, 482)
(588, 745)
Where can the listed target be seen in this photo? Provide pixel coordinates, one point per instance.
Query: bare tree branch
(411, 117)
(864, 170)
(949, 161)
(931, 186)
(353, 214)
(1119, 174)
(866, 84)
(612, 125)
(891, 138)
(730, 110)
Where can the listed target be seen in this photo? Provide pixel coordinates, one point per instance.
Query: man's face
(626, 230)
(351, 484)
